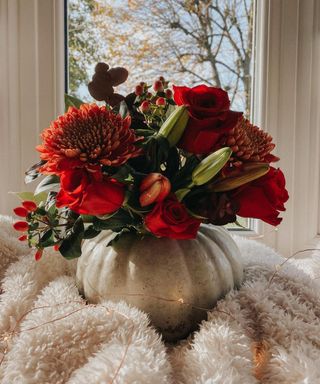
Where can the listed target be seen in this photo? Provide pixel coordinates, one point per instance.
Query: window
(189, 42)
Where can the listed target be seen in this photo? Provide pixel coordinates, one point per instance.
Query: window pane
(188, 42)
(191, 42)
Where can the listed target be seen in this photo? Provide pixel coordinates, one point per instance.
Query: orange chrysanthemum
(249, 143)
(87, 136)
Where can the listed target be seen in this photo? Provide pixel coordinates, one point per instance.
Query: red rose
(263, 198)
(89, 193)
(169, 218)
(210, 117)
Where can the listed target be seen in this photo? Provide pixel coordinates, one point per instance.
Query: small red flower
(21, 211)
(169, 94)
(31, 206)
(21, 226)
(158, 86)
(139, 90)
(161, 101)
(170, 218)
(145, 106)
(56, 247)
(23, 238)
(38, 254)
(154, 187)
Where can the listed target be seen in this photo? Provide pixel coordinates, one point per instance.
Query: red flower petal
(31, 206)
(21, 226)
(21, 211)
(38, 254)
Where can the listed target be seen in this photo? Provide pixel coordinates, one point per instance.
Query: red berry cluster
(39, 222)
(153, 104)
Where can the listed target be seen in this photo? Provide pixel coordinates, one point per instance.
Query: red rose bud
(56, 247)
(145, 106)
(158, 86)
(31, 206)
(139, 90)
(23, 238)
(161, 101)
(21, 226)
(21, 211)
(154, 187)
(169, 94)
(149, 95)
(38, 254)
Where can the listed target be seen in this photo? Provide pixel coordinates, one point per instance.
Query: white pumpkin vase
(168, 279)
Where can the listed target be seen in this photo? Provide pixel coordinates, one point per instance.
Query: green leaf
(40, 197)
(33, 172)
(25, 195)
(70, 247)
(87, 218)
(33, 226)
(49, 182)
(144, 132)
(90, 232)
(71, 101)
(183, 177)
(52, 211)
(124, 175)
(116, 223)
(30, 196)
(47, 239)
(157, 150)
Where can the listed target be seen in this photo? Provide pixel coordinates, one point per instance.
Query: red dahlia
(249, 143)
(87, 136)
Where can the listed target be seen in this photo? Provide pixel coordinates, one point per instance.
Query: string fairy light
(279, 266)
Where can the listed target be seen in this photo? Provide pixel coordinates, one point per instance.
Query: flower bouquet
(157, 162)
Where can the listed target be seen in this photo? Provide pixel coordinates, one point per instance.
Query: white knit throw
(266, 332)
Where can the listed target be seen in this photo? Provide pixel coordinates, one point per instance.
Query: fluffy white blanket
(267, 332)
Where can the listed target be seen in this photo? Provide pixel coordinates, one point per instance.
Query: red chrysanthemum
(249, 143)
(87, 136)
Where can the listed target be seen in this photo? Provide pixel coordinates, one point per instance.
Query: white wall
(31, 85)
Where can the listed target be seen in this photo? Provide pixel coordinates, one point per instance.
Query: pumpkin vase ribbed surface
(173, 281)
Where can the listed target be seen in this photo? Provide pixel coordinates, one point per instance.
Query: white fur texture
(266, 332)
